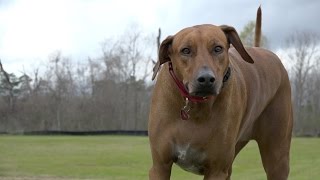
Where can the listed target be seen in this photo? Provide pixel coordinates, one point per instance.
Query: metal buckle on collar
(227, 75)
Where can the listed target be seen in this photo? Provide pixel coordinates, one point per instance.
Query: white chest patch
(189, 159)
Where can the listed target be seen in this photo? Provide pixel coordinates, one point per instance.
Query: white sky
(31, 30)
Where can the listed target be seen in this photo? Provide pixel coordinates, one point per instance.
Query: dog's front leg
(216, 176)
(160, 171)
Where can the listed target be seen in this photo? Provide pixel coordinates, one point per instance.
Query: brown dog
(210, 99)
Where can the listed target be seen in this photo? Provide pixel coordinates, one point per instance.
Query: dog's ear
(163, 55)
(234, 39)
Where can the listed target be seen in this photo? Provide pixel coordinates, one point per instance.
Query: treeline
(112, 91)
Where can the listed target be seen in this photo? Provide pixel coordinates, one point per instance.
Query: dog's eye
(186, 51)
(217, 49)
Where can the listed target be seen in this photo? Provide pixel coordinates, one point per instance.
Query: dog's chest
(189, 159)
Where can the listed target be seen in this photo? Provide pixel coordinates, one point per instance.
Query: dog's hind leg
(273, 135)
(275, 157)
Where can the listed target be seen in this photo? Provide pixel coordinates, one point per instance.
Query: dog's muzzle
(203, 84)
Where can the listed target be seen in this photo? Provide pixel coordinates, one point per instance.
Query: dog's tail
(257, 36)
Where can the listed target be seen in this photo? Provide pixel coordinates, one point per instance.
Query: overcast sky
(31, 30)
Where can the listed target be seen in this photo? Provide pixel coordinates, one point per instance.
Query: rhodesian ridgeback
(212, 96)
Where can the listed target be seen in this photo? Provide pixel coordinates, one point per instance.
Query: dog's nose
(205, 78)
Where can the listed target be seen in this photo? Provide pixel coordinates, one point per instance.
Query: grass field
(125, 157)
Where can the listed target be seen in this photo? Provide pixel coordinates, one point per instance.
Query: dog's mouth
(201, 91)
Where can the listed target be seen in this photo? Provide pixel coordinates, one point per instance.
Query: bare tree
(303, 51)
(127, 62)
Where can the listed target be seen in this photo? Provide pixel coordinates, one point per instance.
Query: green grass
(126, 157)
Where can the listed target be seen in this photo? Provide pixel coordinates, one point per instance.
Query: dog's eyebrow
(215, 41)
(186, 43)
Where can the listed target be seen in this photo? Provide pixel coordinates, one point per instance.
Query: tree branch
(6, 75)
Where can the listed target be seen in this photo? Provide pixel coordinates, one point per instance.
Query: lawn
(125, 157)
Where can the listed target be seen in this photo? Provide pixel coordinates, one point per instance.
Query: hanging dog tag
(184, 115)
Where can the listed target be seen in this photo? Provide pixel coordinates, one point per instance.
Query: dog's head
(200, 57)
